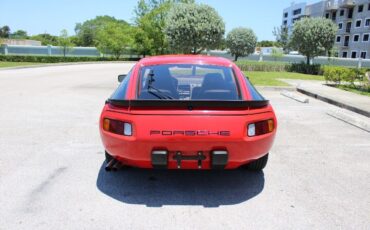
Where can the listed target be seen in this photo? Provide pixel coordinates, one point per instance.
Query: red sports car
(187, 112)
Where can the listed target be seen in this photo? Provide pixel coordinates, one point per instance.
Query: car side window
(120, 93)
(256, 96)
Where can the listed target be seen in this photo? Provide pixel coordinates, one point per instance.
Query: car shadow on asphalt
(155, 188)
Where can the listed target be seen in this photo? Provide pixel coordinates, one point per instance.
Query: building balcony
(347, 4)
(332, 6)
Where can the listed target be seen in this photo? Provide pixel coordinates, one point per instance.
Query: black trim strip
(189, 104)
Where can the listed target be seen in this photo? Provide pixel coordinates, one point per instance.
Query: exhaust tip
(116, 166)
(109, 165)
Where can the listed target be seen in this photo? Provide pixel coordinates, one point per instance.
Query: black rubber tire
(259, 164)
(108, 157)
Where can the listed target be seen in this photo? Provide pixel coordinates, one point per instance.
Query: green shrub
(304, 68)
(57, 59)
(262, 66)
(338, 74)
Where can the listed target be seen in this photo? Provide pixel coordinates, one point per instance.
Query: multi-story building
(352, 18)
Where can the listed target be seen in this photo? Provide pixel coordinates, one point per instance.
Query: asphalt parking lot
(52, 174)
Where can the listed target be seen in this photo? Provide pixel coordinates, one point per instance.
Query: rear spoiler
(189, 104)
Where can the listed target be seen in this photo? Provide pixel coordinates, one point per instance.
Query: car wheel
(258, 164)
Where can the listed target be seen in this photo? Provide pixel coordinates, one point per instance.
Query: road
(52, 175)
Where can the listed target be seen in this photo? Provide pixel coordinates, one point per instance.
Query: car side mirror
(121, 77)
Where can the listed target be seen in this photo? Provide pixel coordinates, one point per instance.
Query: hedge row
(57, 59)
(336, 74)
(279, 67)
(304, 68)
(262, 66)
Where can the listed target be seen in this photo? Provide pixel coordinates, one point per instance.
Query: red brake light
(117, 127)
(260, 128)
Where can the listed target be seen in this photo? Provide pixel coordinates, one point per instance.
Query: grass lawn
(16, 64)
(354, 90)
(271, 78)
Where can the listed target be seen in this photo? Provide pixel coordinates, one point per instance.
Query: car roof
(185, 59)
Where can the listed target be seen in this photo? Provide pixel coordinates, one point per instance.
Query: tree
(193, 28)
(241, 42)
(46, 39)
(152, 25)
(150, 21)
(65, 42)
(86, 32)
(282, 37)
(114, 38)
(313, 36)
(20, 34)
(5, 32)
(143, 44)
(266, 43)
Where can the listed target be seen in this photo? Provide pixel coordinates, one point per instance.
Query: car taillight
(260, 128)
(117, 127)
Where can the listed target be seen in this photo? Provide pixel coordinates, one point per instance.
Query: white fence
(48, 51)
(355, 62)
(93, 52)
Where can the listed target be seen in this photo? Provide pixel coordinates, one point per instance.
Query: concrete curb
(362, 123)
(333, 102)
(65, 64)
(295, 96)
(276, 88)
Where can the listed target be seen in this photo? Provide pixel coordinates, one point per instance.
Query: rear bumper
(137, 150)
(138, 153)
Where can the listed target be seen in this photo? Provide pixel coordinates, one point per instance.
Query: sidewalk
(351, 101)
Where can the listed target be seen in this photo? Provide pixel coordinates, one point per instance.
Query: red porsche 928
(186, 112)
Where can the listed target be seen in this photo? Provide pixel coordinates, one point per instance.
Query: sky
(51, 16)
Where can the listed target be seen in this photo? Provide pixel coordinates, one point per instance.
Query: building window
(348, 27)
(368, 8)
(350, 13)
(341, 13)
(367, 22)
(294, 20)
(340, 25)
(285, 15)
(327, 15)
(338, 38)
(358, 23)
(356, 38)
(354, 54)
(365, 37)
(344, 54)
(297, 11)
(285, 22)
(363, 54)
(346, 41)
(334, 16)
(360, 8)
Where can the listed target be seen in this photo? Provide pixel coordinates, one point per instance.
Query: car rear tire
(258, 164)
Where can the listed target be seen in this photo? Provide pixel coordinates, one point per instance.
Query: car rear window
(121, 91)
(256, 96)
(188, 82)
